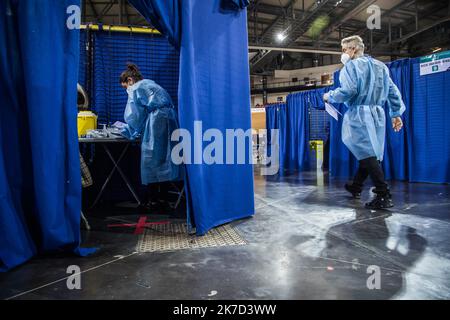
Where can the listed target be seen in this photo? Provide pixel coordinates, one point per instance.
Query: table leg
(124, 177)
(180, 196)
(112, 171)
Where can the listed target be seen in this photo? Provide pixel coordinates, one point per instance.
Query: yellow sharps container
(87, 120)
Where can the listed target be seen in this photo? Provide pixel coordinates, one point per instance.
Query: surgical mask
(345, 58)
(130, 90)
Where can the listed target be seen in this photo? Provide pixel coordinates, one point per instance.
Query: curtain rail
(96, 27)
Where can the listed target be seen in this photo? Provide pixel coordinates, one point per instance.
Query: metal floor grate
(174, 236)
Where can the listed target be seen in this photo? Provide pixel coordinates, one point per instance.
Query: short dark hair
(132, 72)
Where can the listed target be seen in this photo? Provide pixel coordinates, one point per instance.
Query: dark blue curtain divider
(214, 88)
(294, 133)
(40, 185)
(235, 4)
(292, 119)
(294, 123)
(275, 114)
(395, 163)
(429, 127)
(82, 65)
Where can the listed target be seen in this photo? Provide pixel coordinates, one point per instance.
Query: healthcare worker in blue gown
(151, 115)
(365, 88)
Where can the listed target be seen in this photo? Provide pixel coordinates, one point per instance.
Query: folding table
(106, 143)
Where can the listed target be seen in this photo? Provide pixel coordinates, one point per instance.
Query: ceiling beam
(355, 10)
(388, 13)
(293, 26)
(266, 56)
(262, 59)
(275, 10)
(298, 27)
(280, 19)
(107, 8)
(94, 10)
(411, 21)
(259, 20)
(425, 28)
(296, 49)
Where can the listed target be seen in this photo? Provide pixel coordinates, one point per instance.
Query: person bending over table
(151, 115)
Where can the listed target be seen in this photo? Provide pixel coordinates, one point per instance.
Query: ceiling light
(281, 37)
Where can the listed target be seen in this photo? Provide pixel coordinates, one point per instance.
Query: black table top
(113, 139)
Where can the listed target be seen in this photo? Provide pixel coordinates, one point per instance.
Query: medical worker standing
(151, 115)
(365, 88)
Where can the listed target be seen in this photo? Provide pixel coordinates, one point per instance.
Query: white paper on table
(332, 111)
(119, 125)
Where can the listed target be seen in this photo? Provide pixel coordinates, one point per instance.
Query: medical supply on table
(105, 132)
(119, 125)
(87, 120)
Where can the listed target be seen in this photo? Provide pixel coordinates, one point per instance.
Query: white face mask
(345, 58)
(130, 86)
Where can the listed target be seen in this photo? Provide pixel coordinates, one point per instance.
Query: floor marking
(373, 218)
(65, 278)
(140, 225)
(266, 204)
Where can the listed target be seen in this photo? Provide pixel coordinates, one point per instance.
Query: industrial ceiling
(293, 34)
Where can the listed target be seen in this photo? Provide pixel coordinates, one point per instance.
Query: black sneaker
(380, 202)
(355, 193)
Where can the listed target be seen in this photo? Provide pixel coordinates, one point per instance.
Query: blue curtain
(40, 187)
(164, 16)
(429, 130)
(294, 133)
(214, 88)
(395, 163)
(275, 114)
(292, 119)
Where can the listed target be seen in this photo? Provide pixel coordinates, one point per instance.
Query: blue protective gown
(151, 115)
(365, 87)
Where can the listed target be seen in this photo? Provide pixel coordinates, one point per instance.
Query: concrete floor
(308, 240)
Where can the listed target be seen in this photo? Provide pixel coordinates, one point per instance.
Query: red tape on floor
(139, 226)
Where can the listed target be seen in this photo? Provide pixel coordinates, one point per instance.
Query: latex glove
(326, 96)
(397, 124)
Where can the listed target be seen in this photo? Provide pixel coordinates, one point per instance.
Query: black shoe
(388, 194)
(352, 189)
(380, 202)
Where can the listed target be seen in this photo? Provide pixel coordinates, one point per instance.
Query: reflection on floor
(308, 240)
